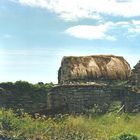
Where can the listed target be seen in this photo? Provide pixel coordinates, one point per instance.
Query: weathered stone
(135, 77)
(76, 99)
(26, 101)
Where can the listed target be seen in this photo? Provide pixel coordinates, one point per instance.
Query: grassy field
(21, 126)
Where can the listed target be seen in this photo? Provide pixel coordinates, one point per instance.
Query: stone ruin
(135, 77)
(95, 83)
(88, 83)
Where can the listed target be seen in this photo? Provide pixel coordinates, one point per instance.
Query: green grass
(66, 127)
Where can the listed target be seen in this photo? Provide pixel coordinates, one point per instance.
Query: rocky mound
(92, 68)
(135, 77)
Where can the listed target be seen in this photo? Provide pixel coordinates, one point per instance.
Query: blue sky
(36, 34)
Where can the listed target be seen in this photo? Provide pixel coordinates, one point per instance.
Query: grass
(67, 127)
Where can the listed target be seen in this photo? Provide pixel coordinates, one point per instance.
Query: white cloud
(131, 26)
(135, 28)
(103, 31)
(91, 32)
(74, 9)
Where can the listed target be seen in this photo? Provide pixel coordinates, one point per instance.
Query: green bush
(125, 136)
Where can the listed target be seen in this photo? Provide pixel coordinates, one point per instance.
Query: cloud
(135, 28)
(108, 30)
(91, 32)
(75, 9)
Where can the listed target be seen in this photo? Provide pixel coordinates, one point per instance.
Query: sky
(36, 34)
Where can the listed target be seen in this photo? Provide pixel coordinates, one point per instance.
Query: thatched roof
(92, 68)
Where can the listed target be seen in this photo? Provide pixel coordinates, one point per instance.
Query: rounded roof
(96, 67)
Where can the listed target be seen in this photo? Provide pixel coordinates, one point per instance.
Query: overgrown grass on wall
(23, 86)
(67, 127)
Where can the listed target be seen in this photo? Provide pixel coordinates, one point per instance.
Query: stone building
(89, 82)
(85, 83)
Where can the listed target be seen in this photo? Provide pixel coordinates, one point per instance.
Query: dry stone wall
(80, 98)
(30, 102)
(73, 99)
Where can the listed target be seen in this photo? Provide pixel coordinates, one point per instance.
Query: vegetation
(22, 126)
(23, 86)
(125, 137)
(17, 125)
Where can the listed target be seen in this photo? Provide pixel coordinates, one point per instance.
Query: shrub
(125, 136)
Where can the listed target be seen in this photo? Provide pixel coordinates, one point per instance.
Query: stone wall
(135, 76)
(81, 98)
(30, 102)
(132, 99)
(73, 99)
